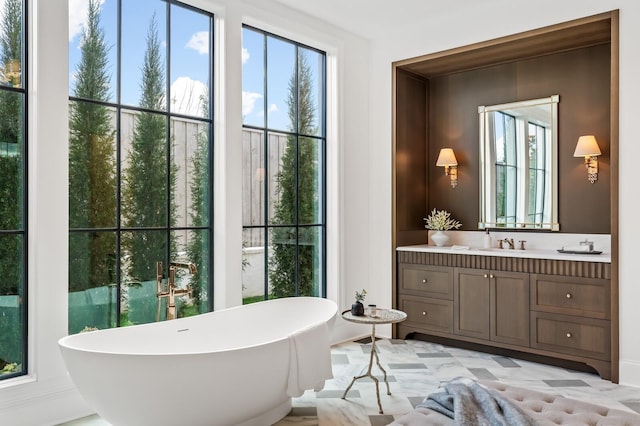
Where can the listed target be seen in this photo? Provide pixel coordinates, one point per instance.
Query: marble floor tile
(414, 370)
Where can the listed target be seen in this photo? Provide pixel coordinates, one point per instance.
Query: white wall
(47, 396)
(491, 19)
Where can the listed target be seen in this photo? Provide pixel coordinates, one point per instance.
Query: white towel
(309, 359)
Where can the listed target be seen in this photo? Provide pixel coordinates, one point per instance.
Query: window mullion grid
(265, 142)
(118, 110)
(296, 126)
(167, 98)
(210, 165)
(323, 140)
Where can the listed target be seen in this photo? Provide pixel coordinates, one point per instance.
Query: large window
(13, 197)
(284, 185)
(140, 156)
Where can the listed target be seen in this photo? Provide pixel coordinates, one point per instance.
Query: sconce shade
(587, 146)
(446, 158)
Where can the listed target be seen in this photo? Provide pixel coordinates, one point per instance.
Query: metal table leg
(368, 373)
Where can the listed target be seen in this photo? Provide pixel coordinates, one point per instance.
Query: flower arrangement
(441, 220)
(361, 295)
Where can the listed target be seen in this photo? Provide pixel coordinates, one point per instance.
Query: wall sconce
(588, 148)
(447, 159)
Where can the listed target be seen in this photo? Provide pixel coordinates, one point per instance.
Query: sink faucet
(510, 242)
(172, 290)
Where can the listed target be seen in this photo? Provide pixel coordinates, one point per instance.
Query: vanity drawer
(587, 297)
(428, 314)
(426, 280)
(585, 337)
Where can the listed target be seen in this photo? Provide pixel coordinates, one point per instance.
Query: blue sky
(189, 43)
(190, 58)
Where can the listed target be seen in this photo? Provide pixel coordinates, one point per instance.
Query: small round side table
(382, 316)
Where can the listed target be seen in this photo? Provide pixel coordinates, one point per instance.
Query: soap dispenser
(487, 239)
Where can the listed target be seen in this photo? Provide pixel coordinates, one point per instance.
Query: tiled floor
(415, 369)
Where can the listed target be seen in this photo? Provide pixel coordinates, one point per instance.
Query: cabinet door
(585, 297)
(427, 313)
(510, 307)
(472, 298)
(426, 280)
(586, 337)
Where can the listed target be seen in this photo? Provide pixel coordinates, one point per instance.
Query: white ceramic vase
(440, 238)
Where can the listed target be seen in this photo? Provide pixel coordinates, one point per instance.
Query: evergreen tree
(296, 186)
(11, 151)
(145, 190)
(92, 180)
(198, 246)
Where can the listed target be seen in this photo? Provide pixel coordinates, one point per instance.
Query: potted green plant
(440, 221)
(357, 308)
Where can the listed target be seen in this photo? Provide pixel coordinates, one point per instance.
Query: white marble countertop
(531, 254)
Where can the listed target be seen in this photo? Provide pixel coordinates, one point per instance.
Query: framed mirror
(518, 165)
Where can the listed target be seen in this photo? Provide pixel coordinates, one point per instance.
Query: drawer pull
(569, 335)
(424, 313)
(569, 296)
(424, 281)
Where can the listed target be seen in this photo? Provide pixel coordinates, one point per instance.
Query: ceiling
(370, 18)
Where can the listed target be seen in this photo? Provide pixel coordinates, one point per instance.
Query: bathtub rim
(63, 342)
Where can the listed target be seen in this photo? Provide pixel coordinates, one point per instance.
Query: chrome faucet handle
(172, 277)
(185, 265)
(522, 244)
(586, 242)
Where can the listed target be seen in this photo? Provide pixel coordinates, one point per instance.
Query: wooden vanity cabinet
(524, 305)
(426, 295)
(571, 315)
(492, 305)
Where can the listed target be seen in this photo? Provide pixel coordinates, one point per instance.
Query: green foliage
(92, 180)
(10, 215)
(293, 269)
(198, 247)
(360, 295)
(12, 328)
(145, 179)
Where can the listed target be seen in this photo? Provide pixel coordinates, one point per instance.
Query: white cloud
(249, 101)
(186, 96)
(273, 108)
(199, 42)
(78, 16)
(245, 55)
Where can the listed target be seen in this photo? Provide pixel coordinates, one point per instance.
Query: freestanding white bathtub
(228, 367)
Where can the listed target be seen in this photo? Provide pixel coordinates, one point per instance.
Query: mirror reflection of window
(518, 169)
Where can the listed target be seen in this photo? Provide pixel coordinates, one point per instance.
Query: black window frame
(168, 114)
(322, 135)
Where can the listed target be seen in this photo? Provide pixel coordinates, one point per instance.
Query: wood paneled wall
(582, 79)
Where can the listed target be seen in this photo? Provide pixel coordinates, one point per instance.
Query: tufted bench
(544, 408)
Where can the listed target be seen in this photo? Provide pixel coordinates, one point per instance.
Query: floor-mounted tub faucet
(171, 291)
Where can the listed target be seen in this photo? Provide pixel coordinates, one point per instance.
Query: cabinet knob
(424, 281)
(424, 313)
(490, 275)
(569, 296)
(486, 275)
(569, 335)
